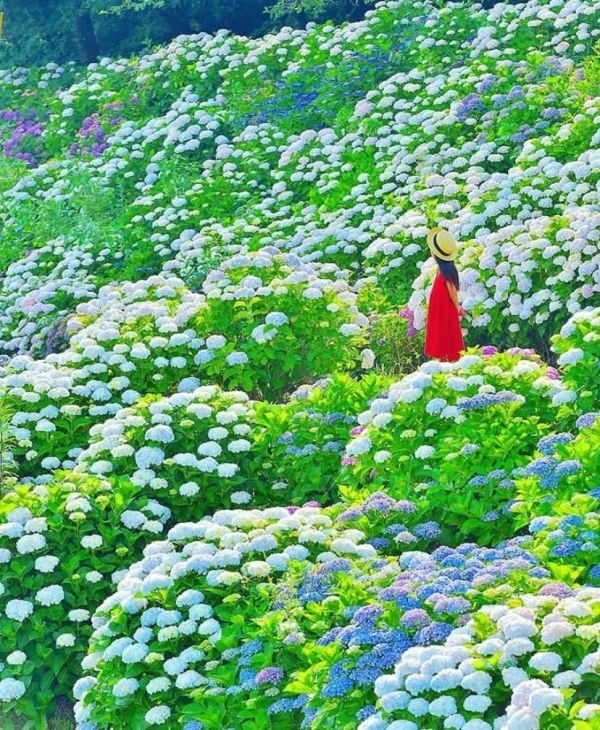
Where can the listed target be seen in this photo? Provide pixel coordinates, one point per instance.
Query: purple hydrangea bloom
(269, 675)
(452, 605)
(486, 83)
(404, 505)
(587, 420)
(339, 565)
(559, 590)
(330, 636)
(468, 106)
(486, 400)
(409, 316)
(416, 618)
(350, 514)
(379, 502)
(489, 350)
(368, 615)
(294, 638)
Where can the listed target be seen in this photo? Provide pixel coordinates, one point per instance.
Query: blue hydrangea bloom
(594, 573)
(540, 467)
(538, 524)
(548, 444)
(566, 548)
(435, 633)
(427, 530)
(288, 704)
(365, 712)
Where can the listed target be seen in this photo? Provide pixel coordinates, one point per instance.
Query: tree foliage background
(38, 31)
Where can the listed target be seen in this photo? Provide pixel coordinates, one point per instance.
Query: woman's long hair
(448, 271)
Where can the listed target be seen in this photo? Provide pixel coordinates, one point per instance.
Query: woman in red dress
(443, 334)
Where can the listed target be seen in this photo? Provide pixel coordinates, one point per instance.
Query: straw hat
(442, 244)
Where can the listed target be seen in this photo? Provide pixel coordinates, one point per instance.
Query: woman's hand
(461, 312)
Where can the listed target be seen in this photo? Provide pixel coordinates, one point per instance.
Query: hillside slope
(223, 516)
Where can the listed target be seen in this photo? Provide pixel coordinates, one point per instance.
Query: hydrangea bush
(450, 436)
(532, 664)
(569, 545)
(148, 341)
(565, 467)
(341, 631)
(61, 547)
(40, 291)
(176, 659)
(245, 242)
(191, 449)
(578, 348)
(236, 337)
(328, 617)
(203, 447)
(299, 442)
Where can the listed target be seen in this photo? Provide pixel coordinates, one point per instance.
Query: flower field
(233, 493)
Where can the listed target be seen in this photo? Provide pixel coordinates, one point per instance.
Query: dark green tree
(299, 12)
(38, 31)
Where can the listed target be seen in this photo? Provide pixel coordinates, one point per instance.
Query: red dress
(443, 335)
